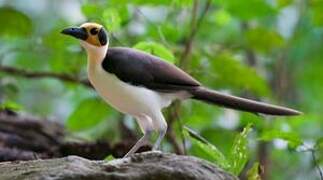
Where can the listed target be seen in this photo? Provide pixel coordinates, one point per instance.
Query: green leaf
(214, 155)
(222, 17)
(14, 23)
(183, 3)
(60, 48)
(102, 130)
(292, 138)
(238, 156)
(88, 114)
(319, 143)
(94, 10)
(89, 9)
(318, 16)
(109, 158)
(152, 3)
(228, 72)
(263, 40)
(9, 89)
(317, 9)
(318, 147)
(156, 49)
(253, 172)
(247, 9)
(202, 112)
(10, 105)
(284, 3)
(166, 31)
(111, 19)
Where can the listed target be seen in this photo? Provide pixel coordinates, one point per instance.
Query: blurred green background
(269, 50)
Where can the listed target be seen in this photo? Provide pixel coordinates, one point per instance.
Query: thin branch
(37, 75)
(171, 135)
(195, 26)
(316, 164)
(117, 39)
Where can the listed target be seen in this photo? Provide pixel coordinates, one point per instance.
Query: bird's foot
(152, 151)
(130, 153)
(156, 151)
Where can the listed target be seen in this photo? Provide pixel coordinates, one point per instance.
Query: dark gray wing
(142, 69)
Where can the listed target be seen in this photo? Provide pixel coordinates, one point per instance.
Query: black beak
(79, 33)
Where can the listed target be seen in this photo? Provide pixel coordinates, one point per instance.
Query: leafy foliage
(263, 40)
(109, 158)
(157, 50)
(212, 153)
(10, 106)
(237, 157)
(317, 7)
(268, 50)
(318, 147)
(319, 143)
(89, 113)
(111, 19)
(252, 173)
(227, 70)
(245, 9)
(20, 26)
(291, 137)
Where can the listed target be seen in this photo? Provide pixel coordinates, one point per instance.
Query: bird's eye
(94, 31)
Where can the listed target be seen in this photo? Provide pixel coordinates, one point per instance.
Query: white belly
(127, 98)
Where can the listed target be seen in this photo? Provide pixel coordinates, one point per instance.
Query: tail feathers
(238, 103)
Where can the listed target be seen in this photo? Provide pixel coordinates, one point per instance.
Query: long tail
(243, 104)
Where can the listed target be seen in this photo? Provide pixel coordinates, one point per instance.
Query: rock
(143, 166)
(24, 137)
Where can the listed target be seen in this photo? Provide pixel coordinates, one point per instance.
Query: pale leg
(161, 136)
(145, 124)
(139, 143)
(161, 127)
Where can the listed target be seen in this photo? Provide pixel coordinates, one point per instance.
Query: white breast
(127, 98)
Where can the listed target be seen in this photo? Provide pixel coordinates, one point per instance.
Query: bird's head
(91, 35)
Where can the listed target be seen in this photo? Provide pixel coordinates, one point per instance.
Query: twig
(37, 75)
(171, 136)
(181, 125)
(195, 25)
(316, 164)
(117, 39)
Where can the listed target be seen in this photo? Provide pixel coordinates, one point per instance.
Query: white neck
(95, 54)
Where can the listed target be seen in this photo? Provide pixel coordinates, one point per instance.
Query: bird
(141, 85)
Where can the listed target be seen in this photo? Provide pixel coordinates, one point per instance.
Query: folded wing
(142, 69)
